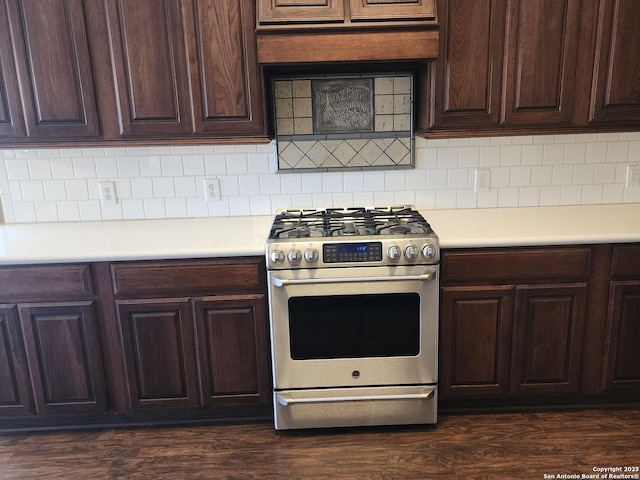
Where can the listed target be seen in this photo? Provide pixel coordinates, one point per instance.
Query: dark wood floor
(496, 446)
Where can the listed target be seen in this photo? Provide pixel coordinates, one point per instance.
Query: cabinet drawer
(193, 277)
(45, 282)
(625, 261)
(527, 265)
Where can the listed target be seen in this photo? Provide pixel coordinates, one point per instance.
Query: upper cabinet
(185, 67)
(343, 11)
(616, 81)
(125, 70)
(46, 76)
(525, 66)
(312, 31)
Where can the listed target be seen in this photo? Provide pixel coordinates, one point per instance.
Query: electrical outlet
(482, 180)
(633, 175)
(108, 193)
(212, 189)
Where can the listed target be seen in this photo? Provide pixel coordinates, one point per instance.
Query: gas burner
(300, 232)
(401, 228)
(350, 229)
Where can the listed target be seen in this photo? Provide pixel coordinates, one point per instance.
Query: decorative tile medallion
(330, 122)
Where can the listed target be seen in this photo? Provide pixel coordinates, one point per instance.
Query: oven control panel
(317, 254)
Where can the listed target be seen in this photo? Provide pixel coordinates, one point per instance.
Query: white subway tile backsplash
(51, 185)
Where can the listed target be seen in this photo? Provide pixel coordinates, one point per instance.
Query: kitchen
(570, 177)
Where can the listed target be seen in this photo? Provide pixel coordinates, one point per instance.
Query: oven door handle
(285, 399)
(283, 282)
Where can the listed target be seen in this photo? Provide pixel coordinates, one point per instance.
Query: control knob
(294, 255)
(277, 256)
(411, 252)
(394, 252)
(311, 255)
(428, 250)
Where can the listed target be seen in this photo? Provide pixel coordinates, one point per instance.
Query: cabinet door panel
(232, 335)
(15, 393)
(392, 9)
(468, 71)
(475, 338)
(229, 98)
(159, 352)
(617, 64)
(64, 357)
(548, 333)
(296, 11)
(622, 368)
(541, 54)
(150, 67)
(11, 118)
(53, 61)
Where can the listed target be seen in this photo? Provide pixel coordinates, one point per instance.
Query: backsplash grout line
(55, 185)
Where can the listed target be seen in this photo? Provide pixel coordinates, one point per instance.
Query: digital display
(353, 248)
(348, 252)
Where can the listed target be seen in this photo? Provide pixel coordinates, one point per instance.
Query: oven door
(354, 327)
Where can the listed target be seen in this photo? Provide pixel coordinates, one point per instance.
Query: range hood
(327, 31)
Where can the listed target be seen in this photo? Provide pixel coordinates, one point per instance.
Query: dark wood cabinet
(512, 321)
(152, 70)
(475, 340)
(541, 45)
(547, 338)
(530, 66)
(64, 357)
(208, 347)
(150, 67)
(185, 67)
(157, 337)
(15, 391)
(46, 86)
(232, 334)
(50, 342)
(621, 368)
(616, 72)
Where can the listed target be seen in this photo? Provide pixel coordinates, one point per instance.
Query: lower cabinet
(63, 352)
(207, 348)
(133, 342)
(185, 352)
(50, 354)
(622, 367)
(15, 389)
(508, 329)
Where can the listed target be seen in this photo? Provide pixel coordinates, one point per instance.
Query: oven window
(352, 326)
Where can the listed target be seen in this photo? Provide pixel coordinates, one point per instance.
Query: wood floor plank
(496, 446)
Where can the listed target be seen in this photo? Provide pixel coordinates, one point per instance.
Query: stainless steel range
(353, 298)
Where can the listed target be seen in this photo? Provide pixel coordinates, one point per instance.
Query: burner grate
(348, 222)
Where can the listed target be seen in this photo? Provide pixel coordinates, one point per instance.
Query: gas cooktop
(359, 236)
(348, 222)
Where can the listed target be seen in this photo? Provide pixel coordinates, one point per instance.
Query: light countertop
(240, 236)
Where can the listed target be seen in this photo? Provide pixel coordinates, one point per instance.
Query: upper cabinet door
(297, 11)
(150, 65)
(392, 9)
(226, 94)
(541, 53)
(468, 71)
(616, 96)
(50, 49)
(11, 119)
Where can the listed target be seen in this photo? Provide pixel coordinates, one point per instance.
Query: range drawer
(528, 265)
(190, 277)
(45, 282)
